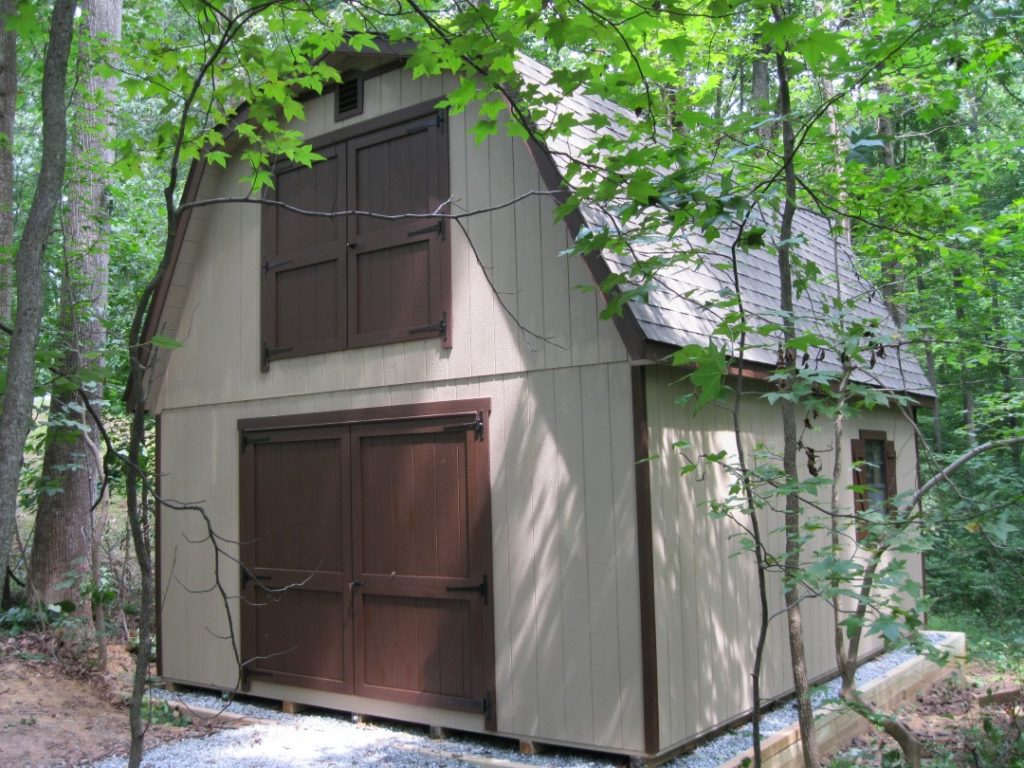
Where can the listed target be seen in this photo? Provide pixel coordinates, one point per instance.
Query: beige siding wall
(705, 592)
(566, 590)
(533, 317)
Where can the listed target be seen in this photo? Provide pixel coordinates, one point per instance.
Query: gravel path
(327, 740)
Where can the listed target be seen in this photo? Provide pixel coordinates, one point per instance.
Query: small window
(338, 282)
(348, 96)
(874, 474)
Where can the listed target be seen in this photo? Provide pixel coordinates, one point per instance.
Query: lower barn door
(296, 559)
(423, 626)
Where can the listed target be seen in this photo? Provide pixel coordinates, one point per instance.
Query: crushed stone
(326, 740)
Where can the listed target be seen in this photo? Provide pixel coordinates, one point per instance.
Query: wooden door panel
(396, 278)
(296, 560)
(301, 630)
(304, 294)
(392, 290)
(307, 305)
(418, 647)
(415, 512)
(422, 608)
(298, 521)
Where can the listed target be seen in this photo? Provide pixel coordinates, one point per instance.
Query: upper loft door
(296, 553)
(422, 563)
(366, 554)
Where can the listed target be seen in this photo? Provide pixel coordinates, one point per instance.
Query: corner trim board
(645, 551)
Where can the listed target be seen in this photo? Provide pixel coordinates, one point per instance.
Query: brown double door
(366, 556)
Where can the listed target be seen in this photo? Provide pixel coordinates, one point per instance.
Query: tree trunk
(798, 657)
(893, 278)
(8, 96)
(15, 419)
(966, 385)
(760, 91)
(64, 535)
(929, 366)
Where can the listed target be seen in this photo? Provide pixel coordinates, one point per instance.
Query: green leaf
(218, 157)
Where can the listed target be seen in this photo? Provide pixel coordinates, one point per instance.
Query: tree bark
(929, 366)
(15, 419)
(794, 618)
(8, 97)
(64, 534)
(760, 90)
(893, 277)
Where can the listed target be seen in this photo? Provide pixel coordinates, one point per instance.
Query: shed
(424, 451)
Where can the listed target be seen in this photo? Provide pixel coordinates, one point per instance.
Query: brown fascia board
(660, 352)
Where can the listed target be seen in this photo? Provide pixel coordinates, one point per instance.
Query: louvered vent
(349, 97)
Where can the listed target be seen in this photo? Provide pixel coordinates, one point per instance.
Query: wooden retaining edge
(836, 725)
(207, 714)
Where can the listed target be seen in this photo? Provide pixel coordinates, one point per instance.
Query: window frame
(858, 457)
(337, 143)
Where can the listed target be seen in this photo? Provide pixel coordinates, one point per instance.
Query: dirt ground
(55, 711)
(959, 722)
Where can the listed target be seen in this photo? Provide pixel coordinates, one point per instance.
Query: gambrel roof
(676, 310)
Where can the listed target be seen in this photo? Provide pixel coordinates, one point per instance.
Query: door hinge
(244, 441)
(485, 704)
(440, 326)
(269, 352)
(477, 425)
(437, 121)
(248, 674)
(269, 265)
(439, 226)
(480, 588)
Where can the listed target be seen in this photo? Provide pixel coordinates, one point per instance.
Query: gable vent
(349, 97)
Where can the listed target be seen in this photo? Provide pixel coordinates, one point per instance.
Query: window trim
(858, 453)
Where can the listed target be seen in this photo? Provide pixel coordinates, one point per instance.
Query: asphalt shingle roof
(676, 311)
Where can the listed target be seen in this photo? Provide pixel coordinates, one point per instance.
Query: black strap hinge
(439, 227)
(269, 352)
(437, 121)
(248, 674)
(481, 588)
(441, 326)
(244, 441)
(477, 425)
(269, 265)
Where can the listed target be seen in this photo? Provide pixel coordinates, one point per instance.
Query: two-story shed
(426, 444)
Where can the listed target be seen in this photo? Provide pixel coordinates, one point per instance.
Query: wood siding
(705, 592)
(515, 302)
(566, 589)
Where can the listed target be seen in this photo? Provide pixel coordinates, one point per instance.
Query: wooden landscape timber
(837, 726)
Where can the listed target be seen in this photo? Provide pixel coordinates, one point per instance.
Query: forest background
(904, 130)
